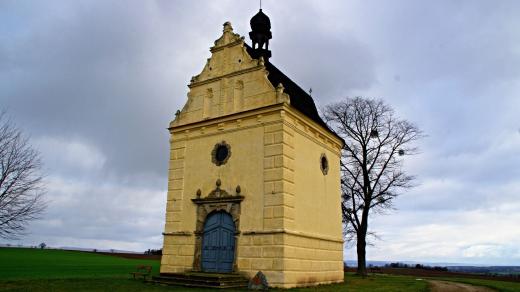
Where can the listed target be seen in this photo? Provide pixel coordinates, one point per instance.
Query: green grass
(374, 283)
(58, 270)
(85, 284)
(24, 263)
(353, 283)
(502, 286)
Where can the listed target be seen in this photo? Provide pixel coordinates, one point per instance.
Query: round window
(221, 153)
(324, 164)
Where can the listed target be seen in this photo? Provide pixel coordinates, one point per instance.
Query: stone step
(201, 285)
(204, 275)
(208, 280)
(214, 282)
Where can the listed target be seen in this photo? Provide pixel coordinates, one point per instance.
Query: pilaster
(278, 176)
(174, 204)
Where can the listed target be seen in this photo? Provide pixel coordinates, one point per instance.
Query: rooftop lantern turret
(260, 35)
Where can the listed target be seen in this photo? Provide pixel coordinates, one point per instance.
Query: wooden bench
(142, 271)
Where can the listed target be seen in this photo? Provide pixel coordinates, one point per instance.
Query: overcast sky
(95, 84)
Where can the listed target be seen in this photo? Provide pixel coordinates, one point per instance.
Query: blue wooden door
(218, 243)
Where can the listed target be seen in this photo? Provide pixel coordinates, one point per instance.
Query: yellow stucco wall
(290, 221)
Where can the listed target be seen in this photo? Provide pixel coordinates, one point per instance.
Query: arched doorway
(218, 243)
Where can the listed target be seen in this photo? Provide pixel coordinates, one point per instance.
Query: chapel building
(254, 178)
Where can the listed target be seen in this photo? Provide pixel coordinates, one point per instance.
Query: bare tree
(21, 186)
(371, 165)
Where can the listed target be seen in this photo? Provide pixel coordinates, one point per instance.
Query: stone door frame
(217, 200)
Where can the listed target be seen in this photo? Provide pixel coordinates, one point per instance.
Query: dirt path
(445, 286)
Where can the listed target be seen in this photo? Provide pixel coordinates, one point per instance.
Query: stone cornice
(267, 232)
(228, 75)
(313, 126)
(252, 113)
(178, 233)
(296, 233)
(238, 121)
(232, 44)
(228, 199)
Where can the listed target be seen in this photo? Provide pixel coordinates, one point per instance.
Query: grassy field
(353, 283)
(57, 270)
(24, 263)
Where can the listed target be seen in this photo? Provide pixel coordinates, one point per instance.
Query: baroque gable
(230, 82)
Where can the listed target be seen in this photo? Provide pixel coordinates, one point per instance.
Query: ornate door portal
(218, 243)
(217, 229)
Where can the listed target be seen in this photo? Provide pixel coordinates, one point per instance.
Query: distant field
(441, 274)
(58, 270)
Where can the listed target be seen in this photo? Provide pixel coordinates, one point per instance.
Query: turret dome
(260, 22)
(260, 35)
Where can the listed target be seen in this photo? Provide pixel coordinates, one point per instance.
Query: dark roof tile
(299, 98)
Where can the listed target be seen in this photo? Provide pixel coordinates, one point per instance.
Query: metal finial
(260, 4)
(310, 91)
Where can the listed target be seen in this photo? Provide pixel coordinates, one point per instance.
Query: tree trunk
(362, 244)
(361, 255)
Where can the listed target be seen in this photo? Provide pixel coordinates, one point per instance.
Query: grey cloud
(95, 84)
(82, 72)
(86, 210)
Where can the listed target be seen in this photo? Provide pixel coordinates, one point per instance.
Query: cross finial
(260, 4)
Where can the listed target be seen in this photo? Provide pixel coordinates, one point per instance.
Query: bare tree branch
(372, 177)
(21, 188)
